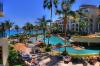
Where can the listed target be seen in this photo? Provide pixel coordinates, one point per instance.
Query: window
(86, 11)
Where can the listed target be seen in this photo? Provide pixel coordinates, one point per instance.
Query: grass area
(18, 65)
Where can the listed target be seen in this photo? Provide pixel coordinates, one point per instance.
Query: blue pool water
(71, 50)
(55, 40)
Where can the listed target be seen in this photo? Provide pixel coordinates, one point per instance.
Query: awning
(91, 40)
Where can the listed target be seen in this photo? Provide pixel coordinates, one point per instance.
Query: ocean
(13, 32)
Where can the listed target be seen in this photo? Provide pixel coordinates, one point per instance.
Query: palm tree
(48, 36)
(28, 27)
(43, 23)
(36, 30)
(49, 5)
(83, 24)
(17, 28)
(8, 25)
(25, 29)
(99, 7)
(65, 11)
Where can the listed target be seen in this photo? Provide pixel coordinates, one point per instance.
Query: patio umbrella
(20, 47)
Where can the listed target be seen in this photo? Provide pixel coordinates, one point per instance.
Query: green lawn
(18, 65)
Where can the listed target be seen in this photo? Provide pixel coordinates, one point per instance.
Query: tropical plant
(98, 18)
(83, 23)
(8, 25)
(25, 29)
(48, 36)
(43, 23)
(17, 28)
(42, 45)
(64, 53)
(48, 49)
(65, 10)
(14, 57)
(49, 5)
(28, 28)
(36, 30)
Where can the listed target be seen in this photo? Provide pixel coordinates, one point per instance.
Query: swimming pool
(73, 51)
(55, 40)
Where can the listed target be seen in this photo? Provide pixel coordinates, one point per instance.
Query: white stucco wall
(4, 44)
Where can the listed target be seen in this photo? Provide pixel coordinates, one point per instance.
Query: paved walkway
(1, 65)
(69, 64)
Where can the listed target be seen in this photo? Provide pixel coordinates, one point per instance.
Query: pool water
(55, 40)
(71, 50)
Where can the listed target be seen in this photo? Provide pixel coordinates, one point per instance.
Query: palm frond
(71, 1)
(55, 3)
(49, 20)
(99, 6)
(72, 13)
(49, 5)
(45, 3)
(58, 12)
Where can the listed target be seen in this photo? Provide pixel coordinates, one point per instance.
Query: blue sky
(22, 11)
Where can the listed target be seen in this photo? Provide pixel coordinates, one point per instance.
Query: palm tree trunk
(36, 34)
(9, 32)
(17, 31)
(51, 14)
(44, 34)
(65, 24)
(48, 40)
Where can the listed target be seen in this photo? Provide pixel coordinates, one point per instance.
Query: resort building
(91, 13)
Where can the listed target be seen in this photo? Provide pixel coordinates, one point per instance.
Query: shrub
(64, 53)
(14, 57)
(42, 45)
(47, 49)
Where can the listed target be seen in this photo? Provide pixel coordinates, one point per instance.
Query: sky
(22, 11)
